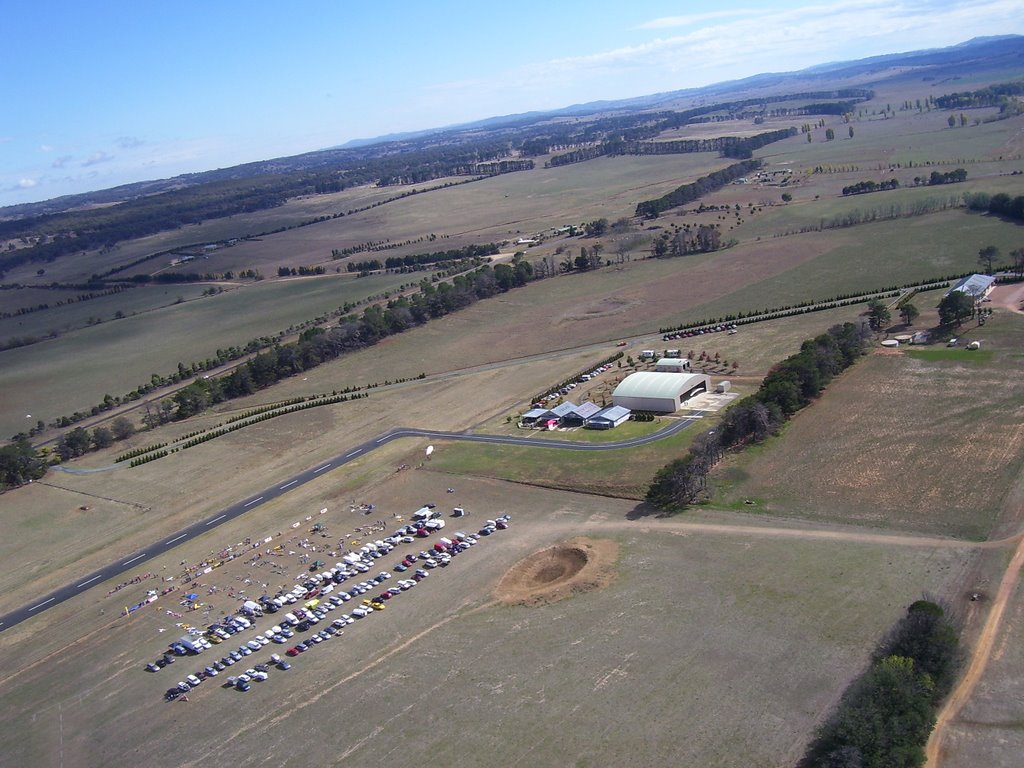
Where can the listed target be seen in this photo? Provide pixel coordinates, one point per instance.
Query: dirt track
(979, 658)
(1009, 296)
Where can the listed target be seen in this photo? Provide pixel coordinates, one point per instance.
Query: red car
(292, 652)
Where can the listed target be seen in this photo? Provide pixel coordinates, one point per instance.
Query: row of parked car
(723, 327)
(320, 599)
(257, 673)
(566, 388)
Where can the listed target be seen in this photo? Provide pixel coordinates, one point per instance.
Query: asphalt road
(136, 559)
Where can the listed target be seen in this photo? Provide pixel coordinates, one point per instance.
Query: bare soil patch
(560, 571)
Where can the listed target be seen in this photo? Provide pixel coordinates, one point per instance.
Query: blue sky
(99, 94)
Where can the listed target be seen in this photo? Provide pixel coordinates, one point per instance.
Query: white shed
(659, 392)
(672, 365)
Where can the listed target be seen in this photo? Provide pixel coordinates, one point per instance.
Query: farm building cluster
(588, 415)
(662, 390)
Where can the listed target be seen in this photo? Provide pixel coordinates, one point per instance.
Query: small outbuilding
(659, 392)
(608, 418)
(672, 365)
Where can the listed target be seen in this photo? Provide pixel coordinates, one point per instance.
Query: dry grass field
(717, 638)
(500, 208)
(129, 507)
(294, 211)
(868, 452)
(445, 659)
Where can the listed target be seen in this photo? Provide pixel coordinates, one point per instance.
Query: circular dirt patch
(562, 570)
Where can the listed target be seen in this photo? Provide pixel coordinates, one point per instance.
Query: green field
(74, 372)
(84, 313)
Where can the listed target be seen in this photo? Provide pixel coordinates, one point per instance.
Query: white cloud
(61, 161)
(668, 22)
(45, 148)
(772, 41)
(25, 184)
(96, 158)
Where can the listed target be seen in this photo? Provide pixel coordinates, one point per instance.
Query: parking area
(419, 549)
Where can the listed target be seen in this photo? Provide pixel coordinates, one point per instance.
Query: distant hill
(983, 50)
(981, 53)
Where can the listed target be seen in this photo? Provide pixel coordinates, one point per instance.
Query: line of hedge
(150, 457)
(139, 452)
(842, 300)
(330, 400)
(265, 408)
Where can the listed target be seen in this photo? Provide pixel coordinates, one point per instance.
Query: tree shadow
(645, 510)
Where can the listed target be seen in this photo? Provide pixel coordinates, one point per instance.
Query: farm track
(979, 658)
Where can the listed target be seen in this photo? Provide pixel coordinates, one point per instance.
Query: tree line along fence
(841, 300)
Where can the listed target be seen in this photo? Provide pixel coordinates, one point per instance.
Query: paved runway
(138, 558)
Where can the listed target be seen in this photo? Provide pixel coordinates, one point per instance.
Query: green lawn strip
(623, 472)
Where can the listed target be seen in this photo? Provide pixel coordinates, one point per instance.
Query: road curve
(134, 560)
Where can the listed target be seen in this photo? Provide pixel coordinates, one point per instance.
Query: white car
(193, 680)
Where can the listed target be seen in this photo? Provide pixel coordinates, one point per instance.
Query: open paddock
(58, 377)
(130, 507)
(675, 623)
(726, 128)
(885, 467)
(292, 212)
(907, 138)
(500, 208)
(81, 314)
